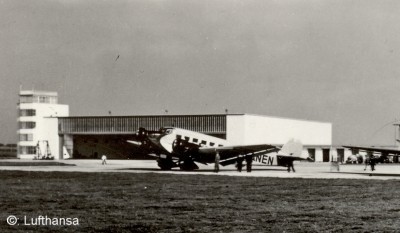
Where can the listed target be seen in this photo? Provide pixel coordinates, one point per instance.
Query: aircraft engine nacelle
(142, 139)
(180, 146)
(142, 134)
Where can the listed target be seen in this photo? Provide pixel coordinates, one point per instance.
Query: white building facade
(38, 123)
(257, 129)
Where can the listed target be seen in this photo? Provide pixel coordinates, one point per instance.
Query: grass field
(122, 202)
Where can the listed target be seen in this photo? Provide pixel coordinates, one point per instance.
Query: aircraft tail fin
(292, 149)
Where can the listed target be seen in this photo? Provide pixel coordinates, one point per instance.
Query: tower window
(27, 112)
(27, 125)
(26, 137)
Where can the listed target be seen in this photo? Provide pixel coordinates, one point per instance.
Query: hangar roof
(196, 115)
(211, 124)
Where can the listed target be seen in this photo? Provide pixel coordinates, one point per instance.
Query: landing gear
(165, 163)
(185, 151)
(188, 165)
(164, 166)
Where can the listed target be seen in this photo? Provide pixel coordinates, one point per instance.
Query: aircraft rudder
(293, 148)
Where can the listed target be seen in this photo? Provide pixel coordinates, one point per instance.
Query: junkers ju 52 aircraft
(384, 152)
(176, 147)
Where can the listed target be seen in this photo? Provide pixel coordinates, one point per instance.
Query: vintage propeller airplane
(176, 147)
(382, 153)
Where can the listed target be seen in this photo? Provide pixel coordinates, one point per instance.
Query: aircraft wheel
(164, 164)
(186, 168)
(164, 167)
(188, 165)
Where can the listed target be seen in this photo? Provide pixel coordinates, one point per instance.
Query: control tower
(37, 122)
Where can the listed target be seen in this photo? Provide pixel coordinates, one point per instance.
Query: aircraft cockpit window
(168, 131)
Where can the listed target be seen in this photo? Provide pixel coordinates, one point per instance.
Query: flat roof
(279, 117)
(160, 115)
(37, 92)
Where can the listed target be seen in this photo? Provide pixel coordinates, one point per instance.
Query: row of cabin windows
(195, 140)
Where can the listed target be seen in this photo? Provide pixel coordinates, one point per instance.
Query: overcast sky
(328, 60)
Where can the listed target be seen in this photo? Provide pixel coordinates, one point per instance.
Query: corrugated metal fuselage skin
(171, 134)
(164, 142)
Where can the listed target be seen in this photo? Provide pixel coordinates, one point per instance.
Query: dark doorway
(311, 153)
(325, 155)
(340, 154)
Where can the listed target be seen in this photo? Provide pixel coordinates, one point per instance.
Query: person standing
(216, 166)
(240, 163)
(249, 161)
(367, 162)
(372, 162)
(290, 165)
(104, 160)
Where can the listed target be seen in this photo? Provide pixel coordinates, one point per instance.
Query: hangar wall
(91, 136)
(256, 129)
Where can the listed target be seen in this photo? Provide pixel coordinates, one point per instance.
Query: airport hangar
(42, 119)
(90, 137)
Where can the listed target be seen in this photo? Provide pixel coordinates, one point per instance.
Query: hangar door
(325, 155)
(311, 153)
(340, 154)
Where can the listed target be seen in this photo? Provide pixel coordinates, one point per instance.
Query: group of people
(239, 162)
(249, 163)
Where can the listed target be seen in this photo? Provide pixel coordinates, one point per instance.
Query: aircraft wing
(375, 149)
(241, 149)
(230, 154)
(233, 159)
